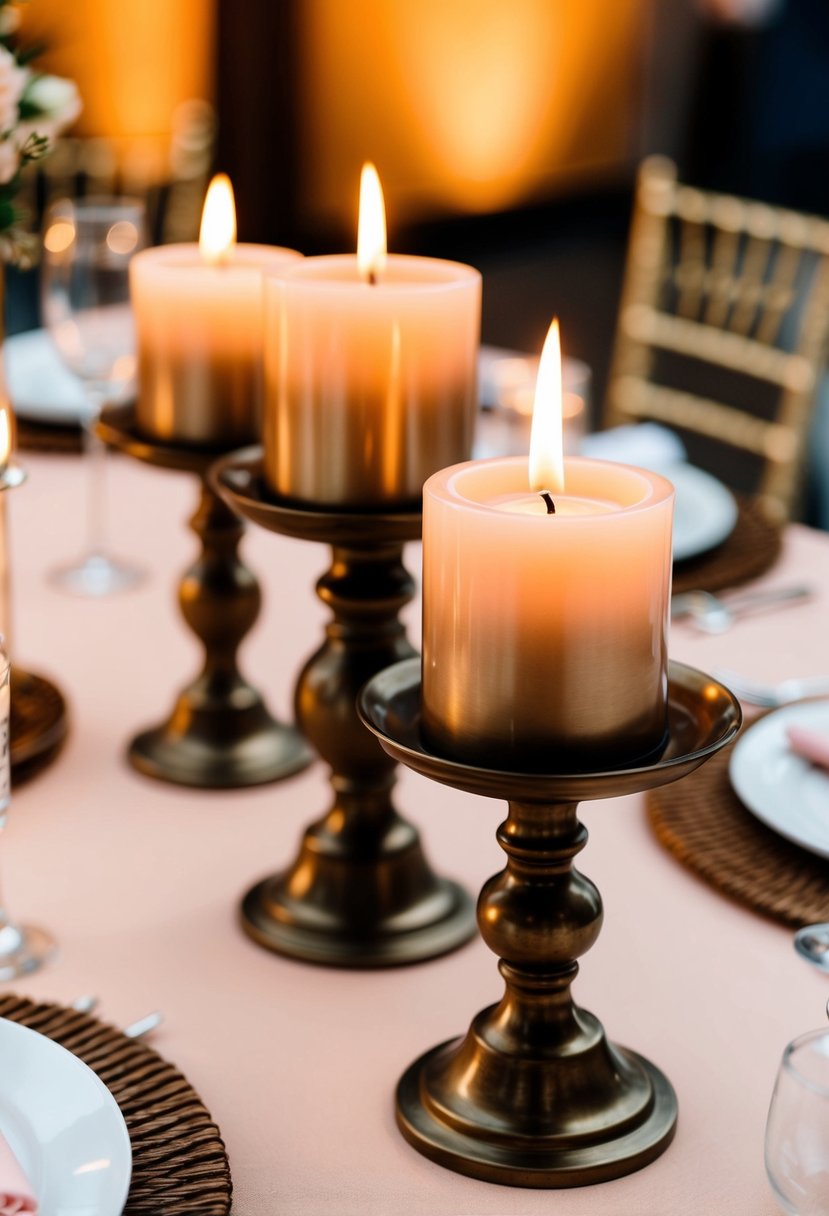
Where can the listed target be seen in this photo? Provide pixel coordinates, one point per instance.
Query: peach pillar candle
(198, 314)
(545, 636)
(545, 615)
(370, 374)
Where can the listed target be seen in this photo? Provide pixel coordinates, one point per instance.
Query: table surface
(298, 1064)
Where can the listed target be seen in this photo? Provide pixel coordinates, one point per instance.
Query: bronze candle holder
(220, 734)
(38, 724)
(38, 720)
(535, 1095)
(361, 892)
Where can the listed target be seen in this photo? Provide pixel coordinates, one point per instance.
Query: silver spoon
(710, 614)
(812, 943)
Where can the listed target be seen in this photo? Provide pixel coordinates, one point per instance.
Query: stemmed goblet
(87, 247)
(23, 948)
(797, 1131)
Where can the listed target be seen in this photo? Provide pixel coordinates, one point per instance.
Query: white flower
(9, 20)
(56, 98)
(9, 160)
(13, 80)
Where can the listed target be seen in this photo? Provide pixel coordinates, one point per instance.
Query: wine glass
(23, 948)
(87, 247)
(797, 1131)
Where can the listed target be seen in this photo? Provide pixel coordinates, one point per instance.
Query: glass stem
(10, 936)
(9, 933)
(97, 532)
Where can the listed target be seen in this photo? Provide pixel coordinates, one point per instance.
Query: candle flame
(5, 437)
(217, 235)
(546, 433)
(371, 230)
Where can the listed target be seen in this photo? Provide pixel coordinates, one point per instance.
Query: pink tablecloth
(298, 1064)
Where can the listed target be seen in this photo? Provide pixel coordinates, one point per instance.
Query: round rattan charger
(703, 823)
(179, 1159)
(751, 549)
(48, 437)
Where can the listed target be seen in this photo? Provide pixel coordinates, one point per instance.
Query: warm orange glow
(472, 105)
(59, 236)
(111, 48)
(371, 229)
(546, 434)
(218, 222)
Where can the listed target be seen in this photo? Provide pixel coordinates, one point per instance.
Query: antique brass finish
(38, 718)
(535, 1094)
(39, 723)
(220, 734)
(360, 892)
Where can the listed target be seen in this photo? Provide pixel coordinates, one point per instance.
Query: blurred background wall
(506, 132)
(136, 63)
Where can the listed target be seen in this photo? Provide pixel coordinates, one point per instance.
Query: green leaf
(7, 213)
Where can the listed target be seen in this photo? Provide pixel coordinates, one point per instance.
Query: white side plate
(40, 386)
(705, 512)
(63, 1125)
(786, 792)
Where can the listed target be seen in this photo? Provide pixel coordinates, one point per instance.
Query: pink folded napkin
(812, 745)
(16, 1195)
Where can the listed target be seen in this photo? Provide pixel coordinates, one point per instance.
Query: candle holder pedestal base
(360, 892)
(220, 734)
(535, 1095)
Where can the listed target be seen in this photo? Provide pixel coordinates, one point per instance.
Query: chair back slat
(738, 291)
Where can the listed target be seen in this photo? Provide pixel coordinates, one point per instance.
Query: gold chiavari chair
(722, 328)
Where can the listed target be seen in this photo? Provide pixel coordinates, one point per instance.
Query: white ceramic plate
(63, 1125)
(705, 511)
(39, 385)
(786, 792)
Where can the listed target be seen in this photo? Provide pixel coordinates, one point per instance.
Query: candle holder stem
(360, 892)
(220, 734)
(535, 1094)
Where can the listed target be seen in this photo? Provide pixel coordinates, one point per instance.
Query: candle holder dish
(220, 734)
(360, 892)
(535, 1095)
(38, 725)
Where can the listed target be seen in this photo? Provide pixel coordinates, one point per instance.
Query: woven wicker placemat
(179, 1160)
(48, 437)
(705, 825)
(751, 549)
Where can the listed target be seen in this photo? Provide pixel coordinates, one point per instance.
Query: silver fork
(771, 696)
(135, 1030)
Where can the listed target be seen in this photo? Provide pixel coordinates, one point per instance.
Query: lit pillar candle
(545, 634)
(198, 315)
(370, 371)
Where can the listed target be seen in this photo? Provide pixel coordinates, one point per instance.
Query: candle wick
(372, 278)
(551, 506)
